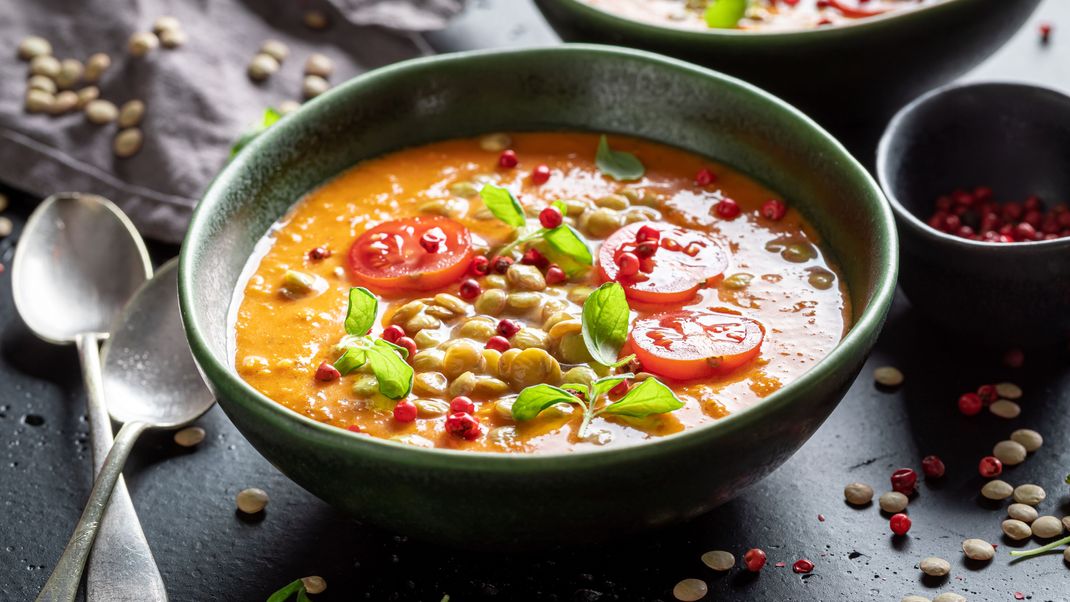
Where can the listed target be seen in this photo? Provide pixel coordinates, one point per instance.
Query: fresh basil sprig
(268, 119)
(725, 14)
(386, 360)
(619, 165)
(648, 398)
(605, 324)
(563, 240)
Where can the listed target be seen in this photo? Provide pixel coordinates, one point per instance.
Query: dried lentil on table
(1047, 526)
(1016, 529)
(719, 560)
(142, 43)
(690, 590)
(314, 584)
(251, 500)
(34, 46)
(978, 549)
(1008, 391)
(1028, 438)
(1009, 452)
(1029, 494)
(888, 376)
(893, 502)
(858, 494)
(190, 436)
(1023, 512)
(997, 490)
(1005, 409)
(949, 597)
(935, 567)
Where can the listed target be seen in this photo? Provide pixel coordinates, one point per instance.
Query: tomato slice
(390, 256)
(689, 344)
(684, 260)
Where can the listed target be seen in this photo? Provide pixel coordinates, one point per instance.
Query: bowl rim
(700, 36)
(906, 216)
(865, 326)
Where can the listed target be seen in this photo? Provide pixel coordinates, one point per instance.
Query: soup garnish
(534, 293)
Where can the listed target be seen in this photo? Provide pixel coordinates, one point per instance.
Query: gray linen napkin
(198, 96)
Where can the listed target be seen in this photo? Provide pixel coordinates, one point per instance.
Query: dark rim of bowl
(912, 220)
(861, 26)
(852, 343)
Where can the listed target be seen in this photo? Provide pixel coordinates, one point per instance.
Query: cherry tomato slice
(390, 256)
(689, 344)
(684, 260)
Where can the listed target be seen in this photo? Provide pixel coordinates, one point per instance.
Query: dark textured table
(207, 551)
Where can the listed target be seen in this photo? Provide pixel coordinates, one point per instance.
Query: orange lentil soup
(707, 259)
(755, 15)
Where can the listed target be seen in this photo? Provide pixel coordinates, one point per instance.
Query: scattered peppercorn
(508, 159)
(802, 566)
(754, 559)
(327, 373)
(970, 404)
(480, 266)
(540, 175)
(899, 523)
(405, 411)
(392, 333)
(727, 209)
(464, 426)
(409, 345)
(990, 467)
(550, 217)
(904, 480)
(705, 177)
(470, 289)
(933, 467)
(774, 209)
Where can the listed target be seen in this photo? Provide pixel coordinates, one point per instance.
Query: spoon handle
(62, 584)
(121, 567)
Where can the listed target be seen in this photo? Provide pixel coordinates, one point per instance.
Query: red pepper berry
(555, 275)
(353, 428)
(327, 373)
(900, 523)
(705, 177)
(462, 404)
(392, 333)
(507, 328)
(1045, 33)
(409, 345)
(1014, 358)
(319, 253)
(507, 159)
(550, 217)
(540, 174)
(774, 209)
(727, 209)
(646, 233)
(405, 411)
(470, 289)
(987, 393)
(432, 240)
(646, 249)
(533, 257)
(970, 404)
(754, 560)
(628, 264)
(933, 467)
(802, 565)
(904, 480)
(480, 266)
(501, 264)
(498, 343)
(464, 426)
(990, 466)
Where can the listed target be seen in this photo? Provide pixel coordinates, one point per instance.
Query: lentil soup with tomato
(535, 292)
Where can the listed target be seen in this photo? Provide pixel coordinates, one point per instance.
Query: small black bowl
(1015, 139)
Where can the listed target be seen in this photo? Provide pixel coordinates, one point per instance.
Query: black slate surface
(206, 551)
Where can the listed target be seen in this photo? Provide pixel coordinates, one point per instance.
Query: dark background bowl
(845, 76)
(549, 498)
(1014, 138)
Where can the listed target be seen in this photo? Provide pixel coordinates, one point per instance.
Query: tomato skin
(390, 257)
(684, 261)
(691, 344)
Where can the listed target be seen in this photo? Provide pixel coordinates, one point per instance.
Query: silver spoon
(79, 259)
(151, 381)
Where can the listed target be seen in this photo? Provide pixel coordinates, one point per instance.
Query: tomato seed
(646, 233)
(432, 240)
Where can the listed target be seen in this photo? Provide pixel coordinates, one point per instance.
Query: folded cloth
(412, 15)
(199, 97)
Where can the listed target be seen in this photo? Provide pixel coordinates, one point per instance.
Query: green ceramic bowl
(842, 76)
(486, 499)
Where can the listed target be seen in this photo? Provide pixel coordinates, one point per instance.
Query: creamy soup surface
(758, 15)
(777, 284)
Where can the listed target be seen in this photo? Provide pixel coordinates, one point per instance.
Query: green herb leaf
(561, 206)
(353, 358)
(1042, 549)
(579, 388)
(536, 398)
(623, 361)
(725, 14)
(363, 308)
(503, 205)
(392, 372)
(564, 239)
(302, 596)
(603, 385)
(649, 397)
(605, 322)
(267, 120)
(403, 351)
(619, 165)
(284, 594)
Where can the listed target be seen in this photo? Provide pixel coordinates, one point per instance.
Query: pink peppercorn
(774, 209)
(904, 480)
(555, 275)
(392, 333)
(464, 426)
(933, 467)
(900, 523)
(480, 266)
(319, 253)
(470, 289)
(990, 466)
(327, 373)
(754, 559)
(507, 159)
(462, 403)
(970, 404)
(408, 344)
(540, 174)
(507, 328)
(628, 264)
(705, 177)
(498, 343)
(802, 566)
(727, 209)
(405, 411)
(550, 217)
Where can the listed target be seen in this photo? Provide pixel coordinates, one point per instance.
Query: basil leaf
(537, 398)
(566, 240)
(623, 361)
(561, 206)
(603, 385)
(619, 165)
(284, 594)
(725, 14)
(503, 205)
(605, 322)
(353, 358)
(363, 308)
(648, 397)
(393, 373)
(302, 595)
(267, 120)
(403, 351)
